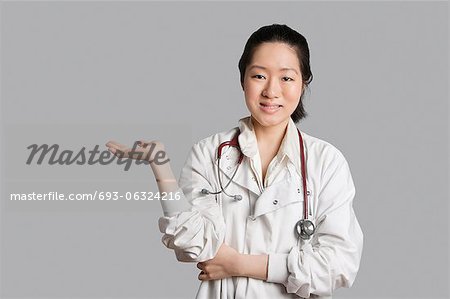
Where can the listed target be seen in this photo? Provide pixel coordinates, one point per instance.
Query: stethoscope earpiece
(206, 192)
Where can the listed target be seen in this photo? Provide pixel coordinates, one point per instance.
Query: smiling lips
(270, 108)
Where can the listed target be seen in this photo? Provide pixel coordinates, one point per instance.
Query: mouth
(271, 106)
(270, 109)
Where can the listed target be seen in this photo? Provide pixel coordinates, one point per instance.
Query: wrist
(241, 265)
(254, 266)
(162, 172)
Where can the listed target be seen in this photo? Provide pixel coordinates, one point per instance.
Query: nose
(271, 90)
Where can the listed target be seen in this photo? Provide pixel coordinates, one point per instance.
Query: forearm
(254, 266)
(167, 183)
(164, 177)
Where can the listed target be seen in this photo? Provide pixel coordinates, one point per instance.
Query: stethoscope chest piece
(305, 228)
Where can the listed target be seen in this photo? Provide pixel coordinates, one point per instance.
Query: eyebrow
(281, 69)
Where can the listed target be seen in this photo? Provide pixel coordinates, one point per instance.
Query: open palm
(142, 150)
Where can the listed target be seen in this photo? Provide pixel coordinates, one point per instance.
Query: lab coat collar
(283, 191)
(290, 146)
(228, 164)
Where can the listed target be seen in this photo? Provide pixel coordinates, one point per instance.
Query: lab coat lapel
(281, 193)
(243, 177)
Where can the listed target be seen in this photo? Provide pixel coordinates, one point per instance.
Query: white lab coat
(263, 221)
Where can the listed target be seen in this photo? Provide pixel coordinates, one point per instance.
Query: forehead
(275, 55)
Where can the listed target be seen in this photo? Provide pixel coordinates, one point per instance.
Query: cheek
(251, 94)
(250, 102)
(294, 93)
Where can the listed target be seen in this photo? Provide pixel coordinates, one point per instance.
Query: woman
(245, 239)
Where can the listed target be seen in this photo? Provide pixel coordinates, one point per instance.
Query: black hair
(285, 34)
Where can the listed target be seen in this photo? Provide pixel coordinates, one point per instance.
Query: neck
(272, 134)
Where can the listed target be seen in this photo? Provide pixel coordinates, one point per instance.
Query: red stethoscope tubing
(303, 166)
(234, 143)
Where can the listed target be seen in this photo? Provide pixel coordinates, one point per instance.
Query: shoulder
(218, 138)
(322, 152)
(327, 163)
(208, 145)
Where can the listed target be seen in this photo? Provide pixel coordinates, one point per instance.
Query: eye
(288, 79)
(258, 76)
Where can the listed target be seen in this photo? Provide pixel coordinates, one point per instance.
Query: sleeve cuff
(173, 207)
(277, 270)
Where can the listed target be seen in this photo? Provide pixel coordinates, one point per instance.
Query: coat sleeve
(331, 259)
(195, 234)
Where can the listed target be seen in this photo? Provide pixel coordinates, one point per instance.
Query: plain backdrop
(79, 74)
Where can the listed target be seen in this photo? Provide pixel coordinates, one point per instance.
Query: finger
(113, 143)
(112, 150)
(200, 266)
(118, 152)
(121, 154)
(116, 146)
(110, 142)
(122, 151)
(203, 276)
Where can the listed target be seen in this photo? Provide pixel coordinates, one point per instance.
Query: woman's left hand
(225, 264)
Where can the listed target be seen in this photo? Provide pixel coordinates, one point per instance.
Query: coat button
(275, 201)
(298, 190)
(308, 192)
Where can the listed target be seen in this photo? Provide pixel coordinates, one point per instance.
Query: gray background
(80, 74)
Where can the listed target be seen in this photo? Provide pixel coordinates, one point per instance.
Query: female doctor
(241, 213)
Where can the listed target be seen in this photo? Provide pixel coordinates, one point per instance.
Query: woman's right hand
(142, 150)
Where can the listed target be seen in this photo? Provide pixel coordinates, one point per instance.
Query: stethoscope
(304, 228)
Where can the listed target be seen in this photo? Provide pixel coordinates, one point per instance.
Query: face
(272, 84)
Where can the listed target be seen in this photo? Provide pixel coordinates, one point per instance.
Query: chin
(268, 120)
